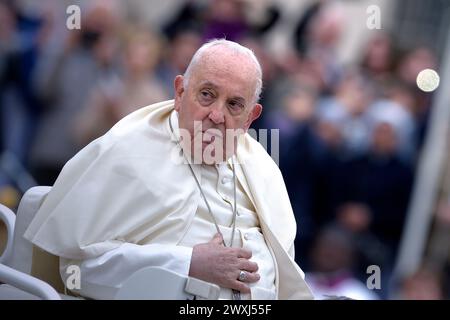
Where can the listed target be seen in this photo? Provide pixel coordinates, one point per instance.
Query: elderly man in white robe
(221, 215)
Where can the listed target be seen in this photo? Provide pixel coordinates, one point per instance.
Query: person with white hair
(181, 185)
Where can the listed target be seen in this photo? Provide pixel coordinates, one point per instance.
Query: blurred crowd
(350, 135)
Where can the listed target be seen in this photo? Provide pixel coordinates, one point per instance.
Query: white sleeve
(101, 277)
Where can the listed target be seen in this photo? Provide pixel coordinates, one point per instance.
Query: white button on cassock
(225, 180)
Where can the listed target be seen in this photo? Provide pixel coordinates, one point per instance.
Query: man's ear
(179, 90)
(254, 114)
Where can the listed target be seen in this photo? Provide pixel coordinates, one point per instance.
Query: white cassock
(124, 203)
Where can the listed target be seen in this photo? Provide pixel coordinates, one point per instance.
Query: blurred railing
(430, 181)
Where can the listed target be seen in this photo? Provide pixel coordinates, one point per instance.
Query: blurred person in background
(18, 53)
(329, 166)
(351, 99)
(271, 75)
(380, 182)
(300, 40)
(237, 19)
(379, 58)
(323, 30)
(182, 43)
(394, 110)
(19, 108)
(424, 284)
(386, 183)
(294, 120)
(230, 19)
(379, 178)
(332, 265)
(373, 172)
(414, 61)
(356, 218)
(9, 53)
(115, 97)
(225, 18)
(411, 63)
(64, 80)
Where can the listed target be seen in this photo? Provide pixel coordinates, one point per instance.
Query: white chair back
(7, 220)
(22, 249)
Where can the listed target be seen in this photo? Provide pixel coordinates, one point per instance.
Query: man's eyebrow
(208, 84)
(238, 99)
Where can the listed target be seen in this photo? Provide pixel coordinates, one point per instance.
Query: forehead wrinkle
(226, 64)
(223, 59)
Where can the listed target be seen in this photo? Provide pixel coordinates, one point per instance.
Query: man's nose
(216, 115)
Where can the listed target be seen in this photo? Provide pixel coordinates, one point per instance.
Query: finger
(247, 265)
(244, 253)
(217, 239)
(240, 286)
(251, 277)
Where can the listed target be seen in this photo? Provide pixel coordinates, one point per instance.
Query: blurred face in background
(98, 22)
(327, 27)
(99, 31)
(378, 58)
(330, 133)
(299, 104)
(142, 53)
(183, 47)
(265, 59)
(355, 217)
(219, 96)
(422, 285)
(354, 94)
(332, 252)
(226, 10)
(414, 62)
(384, 139)
(404, 97)
(7, 23)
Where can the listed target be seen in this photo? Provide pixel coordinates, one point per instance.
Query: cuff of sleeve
(182, 260)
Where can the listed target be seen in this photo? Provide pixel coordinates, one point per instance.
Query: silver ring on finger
(242, 276)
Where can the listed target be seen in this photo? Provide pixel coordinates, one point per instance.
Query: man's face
(218, 101)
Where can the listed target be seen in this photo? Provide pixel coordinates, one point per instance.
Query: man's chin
(209, 155)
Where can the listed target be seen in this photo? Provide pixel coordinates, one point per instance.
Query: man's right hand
(215, 263)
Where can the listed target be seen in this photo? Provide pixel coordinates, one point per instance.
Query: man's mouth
(208, 137)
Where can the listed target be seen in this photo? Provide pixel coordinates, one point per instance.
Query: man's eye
(236, 106)
(206, 94)
(205, 97)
